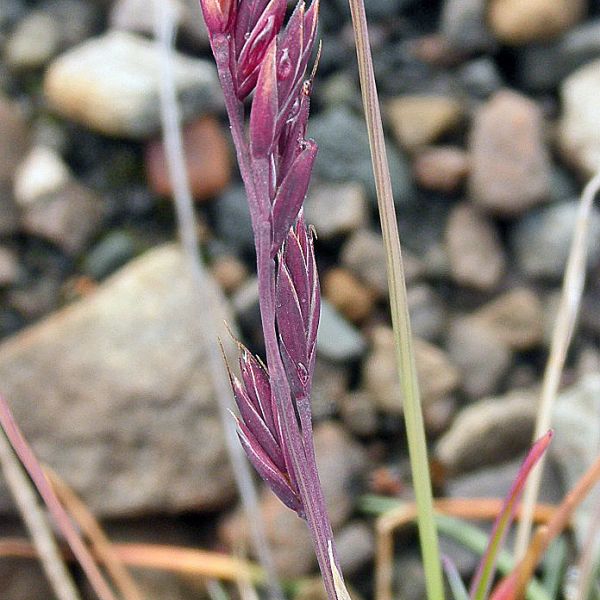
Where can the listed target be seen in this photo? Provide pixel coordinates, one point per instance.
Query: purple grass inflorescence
(256, 54)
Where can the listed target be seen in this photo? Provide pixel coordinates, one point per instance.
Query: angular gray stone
(337, 339)
(474, 248)
(336, 209)
(111, 84)
(541, 241)
(488, 432)
(437, 375)
(115, 393)
(68, 217)
(515, 318)
(463, 24)
(364, 255)
(344, 154)
(482, 358)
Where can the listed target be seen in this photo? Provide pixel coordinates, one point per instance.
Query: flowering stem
(255, 176)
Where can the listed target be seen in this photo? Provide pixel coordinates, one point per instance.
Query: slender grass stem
(399, 309)
(37, 523)
(572, 289)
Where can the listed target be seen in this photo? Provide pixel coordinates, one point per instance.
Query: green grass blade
(399, 309)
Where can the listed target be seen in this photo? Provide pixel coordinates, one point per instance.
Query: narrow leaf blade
(485, 572)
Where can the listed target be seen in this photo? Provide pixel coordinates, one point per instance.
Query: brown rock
(436, 374)
(516, 318)
(421, 120)
(515, 22)
(206, 156)
(441, 168)
(474, 249)
(229, 272)
(510, 166)
(347, 294)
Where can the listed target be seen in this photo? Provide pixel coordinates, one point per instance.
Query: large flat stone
(115, 393)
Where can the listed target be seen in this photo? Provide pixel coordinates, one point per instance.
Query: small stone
(207, 160)
(482, 358)
(438, 415)
(437, 376)
(83, 83)
(338, 340)
(516, 318)
(76, 21)
(488, 432)
(33, 42)
(330, 382)
(514, 22)
(427, 312)
(463, 24)
(347, 294)
(232, 220)
(579, 136)
(575, 445)
(135, 383)
(480, 77)
(134, 16)
(357, 410)
(364, 255)
(342, 465)
(356, 547)
(541, 241)
(336, 209)
(245, 303)
(9, 267)
(69, 217)
(421, 120)
(229, 272)
(510, 166)
(109, 254)
(442, 168)
(474, 249)
(344, 155)
(42, 172)
(14, 139)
